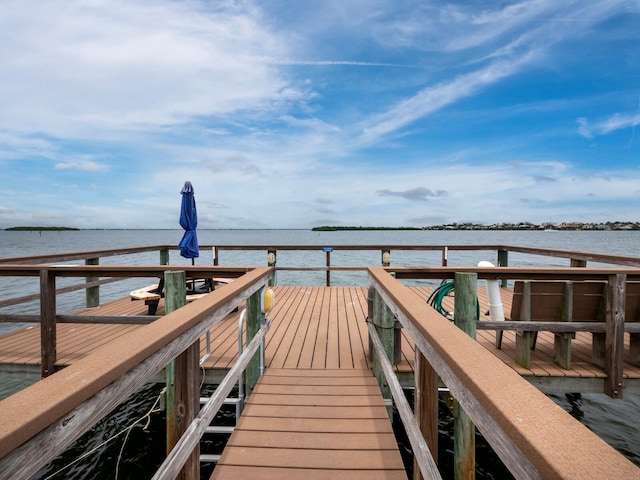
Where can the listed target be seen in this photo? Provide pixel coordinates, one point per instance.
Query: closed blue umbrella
(189, 221)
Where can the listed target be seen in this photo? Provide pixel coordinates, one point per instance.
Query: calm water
(615, 421)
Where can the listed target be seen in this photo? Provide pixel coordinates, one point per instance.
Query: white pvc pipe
(496, 311)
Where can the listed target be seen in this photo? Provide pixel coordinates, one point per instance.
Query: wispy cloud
(506, 58)
(324, 63)
(4, 210)
(82, 166)
(611, 124)
(420, 193)
(432, 99)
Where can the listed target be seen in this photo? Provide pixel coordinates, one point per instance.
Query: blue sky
(290, 114)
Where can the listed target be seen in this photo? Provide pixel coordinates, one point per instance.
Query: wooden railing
(608, 323)
(48, 316)
(324, 263)
(38, 423)
(533, 437)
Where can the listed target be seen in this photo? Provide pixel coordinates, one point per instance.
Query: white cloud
(83, 166)
(72, 68)
(615, 122)
(4, 210)
(434, 98)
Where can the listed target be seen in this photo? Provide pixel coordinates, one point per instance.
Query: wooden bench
(549, 301)
(152, 294)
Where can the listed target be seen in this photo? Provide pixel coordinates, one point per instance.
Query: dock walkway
(313, 328)
(312, 424)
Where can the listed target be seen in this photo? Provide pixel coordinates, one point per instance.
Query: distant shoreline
(40, 229)
(607, 226)
(336, 229)
(523, 226)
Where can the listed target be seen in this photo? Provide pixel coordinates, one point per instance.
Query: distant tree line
(605, 226)
(39, 229)
(327, 228)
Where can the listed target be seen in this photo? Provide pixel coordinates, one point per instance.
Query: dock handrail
(421, 454)
(177, 458)
(38, 423)
(527, 431)
(92, 258)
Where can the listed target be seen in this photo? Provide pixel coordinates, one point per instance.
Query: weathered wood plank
(286, 435)
(315, 411)
(308, 440)
(234, 472)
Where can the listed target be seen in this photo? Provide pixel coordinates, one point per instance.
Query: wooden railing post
(386, 258)
(426, 406)
(271, 262)
(254, 315)
(48, 335)
(92, 294)
(164, 256)
(384, 321)
(183, 379)
(574, 262)
(465, 317)
(524, 340)
(445, 256)
(328, 251)
(614, 342)
(503, 261)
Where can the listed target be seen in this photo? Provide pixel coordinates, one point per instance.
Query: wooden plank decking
(312, 424)
(312, 328)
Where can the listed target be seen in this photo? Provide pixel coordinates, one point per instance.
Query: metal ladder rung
(227, 401)
(208, 458)
(220, 429)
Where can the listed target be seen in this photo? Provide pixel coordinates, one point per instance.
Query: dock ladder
(237, 401)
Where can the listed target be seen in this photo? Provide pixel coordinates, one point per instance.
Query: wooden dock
(312, 424)
(313, 328)
(317, 346)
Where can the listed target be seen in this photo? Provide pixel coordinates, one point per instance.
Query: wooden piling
(272, 258)
(614, 346)
(164, 257)
(503, 261)
(183, 379)
(524, 339)
(47, 323)
(577, 263)
(328, 263)
(426, 406)
(384, 321)
(386, 258)
(92, 294)
(465, 317)
(252, 373)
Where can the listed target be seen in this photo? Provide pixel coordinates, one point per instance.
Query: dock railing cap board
(497, 398)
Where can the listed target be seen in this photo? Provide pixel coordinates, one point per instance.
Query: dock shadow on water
(138, 454)
(488, 464)
(106, 452)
